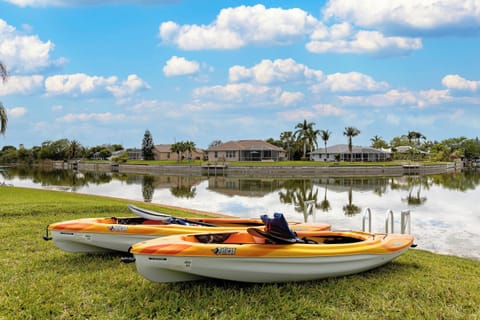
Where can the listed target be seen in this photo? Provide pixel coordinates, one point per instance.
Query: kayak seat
(212, 237)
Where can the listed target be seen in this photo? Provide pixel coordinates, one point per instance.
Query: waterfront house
(407, 152)
(246, 150)
(340, 152)
(163, 152)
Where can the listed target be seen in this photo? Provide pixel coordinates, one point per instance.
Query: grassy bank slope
(39, 281)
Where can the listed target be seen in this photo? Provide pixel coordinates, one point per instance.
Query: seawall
(271, 171)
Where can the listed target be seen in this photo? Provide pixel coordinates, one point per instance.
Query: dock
(411, 169)
(214, 169)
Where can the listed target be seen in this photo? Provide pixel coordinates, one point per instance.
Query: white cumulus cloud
(290, 98)
(21, 85)
(82, 84)
(363, 41)
(349, 82)
(390, 98)
(454, 81)
(395, 97)
(76, 84)
(133, 84)
(24, 53)
(247, 94)
(270, 71)
(179, 66)
(234, 28)
(328, 110)
(17, 112)
(101, 117)
(398, 15)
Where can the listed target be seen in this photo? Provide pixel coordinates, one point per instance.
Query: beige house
(246, 150)
(162, 152)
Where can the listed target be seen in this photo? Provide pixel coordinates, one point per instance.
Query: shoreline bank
(273, 171)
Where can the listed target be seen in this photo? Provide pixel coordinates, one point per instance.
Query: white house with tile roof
(246, 150)
(340, 152)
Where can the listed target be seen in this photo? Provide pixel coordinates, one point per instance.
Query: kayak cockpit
(254, 237)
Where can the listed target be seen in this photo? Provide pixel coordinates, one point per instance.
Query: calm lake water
(444, 210)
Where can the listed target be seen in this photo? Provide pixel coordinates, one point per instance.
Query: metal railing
(405, 221)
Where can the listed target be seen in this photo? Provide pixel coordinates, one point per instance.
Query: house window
(216, 154)
(231, 154)
(168, 155)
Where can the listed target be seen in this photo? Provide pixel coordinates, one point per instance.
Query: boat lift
(405, 221)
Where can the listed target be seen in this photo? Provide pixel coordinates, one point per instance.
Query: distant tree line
(59, 150)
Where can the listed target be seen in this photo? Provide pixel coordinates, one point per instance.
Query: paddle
(153, 215)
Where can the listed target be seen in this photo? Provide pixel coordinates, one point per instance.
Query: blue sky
(104, 71)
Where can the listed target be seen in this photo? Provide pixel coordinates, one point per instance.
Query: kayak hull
(257, 270)
(91, 242)
(100, 235)
(238, 256)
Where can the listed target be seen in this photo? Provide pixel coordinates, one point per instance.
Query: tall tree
(147, 146)
(74, 149)
(305, 134)
(190, 147)
(350, 132)
(325, 135)
(312, 139)
(415, 136)
(378, 142)
(287, 139)
(3, 111)
(179, 148)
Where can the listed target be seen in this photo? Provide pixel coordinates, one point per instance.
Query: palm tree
(350, 132)
(378, 142)
(3, 111)
(325, 135)
(375, 140)
(176, 149)
(305, 134)
(190, 147)
(415, 137)
(312, 139)
(287, 139)
(74, 149)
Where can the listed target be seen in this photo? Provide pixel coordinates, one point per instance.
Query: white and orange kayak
(252, 256)
(97, 235)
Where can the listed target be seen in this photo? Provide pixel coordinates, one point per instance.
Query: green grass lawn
(39, 281)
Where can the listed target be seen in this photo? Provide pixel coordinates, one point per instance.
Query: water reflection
(184, 187)
(445, 216)
(296, 192)
(302, 195)
(148, 188)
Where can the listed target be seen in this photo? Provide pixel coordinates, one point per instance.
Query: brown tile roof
(163, 147)
(167, 147)
(245, 145)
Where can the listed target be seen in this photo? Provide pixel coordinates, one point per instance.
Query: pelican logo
(224, 251)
